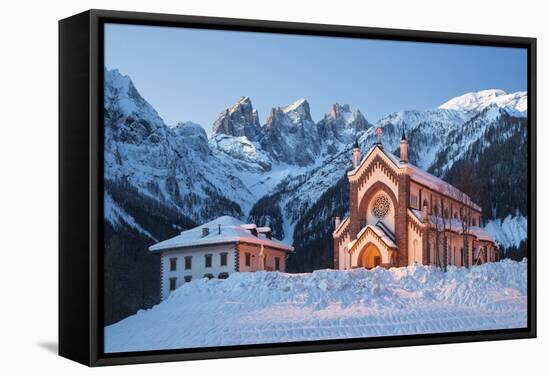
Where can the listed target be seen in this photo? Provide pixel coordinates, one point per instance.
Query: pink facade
(400, 215)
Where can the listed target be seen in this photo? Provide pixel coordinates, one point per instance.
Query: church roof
(425, 178)
(222, 230)
(455, 225)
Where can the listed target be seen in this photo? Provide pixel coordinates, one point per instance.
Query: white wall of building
(198, 267)
(415, 246)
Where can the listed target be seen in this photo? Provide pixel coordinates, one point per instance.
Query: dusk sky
(193, 75)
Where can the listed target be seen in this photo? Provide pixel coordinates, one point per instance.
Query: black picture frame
(81, 189)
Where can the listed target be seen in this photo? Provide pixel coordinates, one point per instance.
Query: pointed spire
(356, 144)
(404, 148)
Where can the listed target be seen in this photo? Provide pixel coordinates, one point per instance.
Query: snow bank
(270, 307)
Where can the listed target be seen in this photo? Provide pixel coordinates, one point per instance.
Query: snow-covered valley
(268, 307)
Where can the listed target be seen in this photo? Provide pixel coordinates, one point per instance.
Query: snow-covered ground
(270, 307)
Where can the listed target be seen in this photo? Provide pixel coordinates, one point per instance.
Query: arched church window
(381, 206)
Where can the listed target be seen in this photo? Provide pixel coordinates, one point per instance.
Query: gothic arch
(371, 192)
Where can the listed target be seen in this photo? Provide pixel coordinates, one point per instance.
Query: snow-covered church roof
(425, 178)
(454, 224)
(222, 230)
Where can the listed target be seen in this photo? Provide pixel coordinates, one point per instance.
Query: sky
(193, 75)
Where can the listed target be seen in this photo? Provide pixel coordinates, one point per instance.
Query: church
(400, 214)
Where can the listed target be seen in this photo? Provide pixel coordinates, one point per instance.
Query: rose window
(381, 206)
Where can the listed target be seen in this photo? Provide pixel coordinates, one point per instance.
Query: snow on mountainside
(482, 99)
(262, 307)
(290, 135)
(172, 165)
(341, 126)
(509, 231)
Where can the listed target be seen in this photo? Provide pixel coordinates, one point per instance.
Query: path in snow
(262, 307)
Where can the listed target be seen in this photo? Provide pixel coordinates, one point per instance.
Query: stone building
(215, 250)
(400, 215)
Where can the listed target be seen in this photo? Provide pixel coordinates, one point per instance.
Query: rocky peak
(342, 124)
(337, 111)
(299, 109)
(239, 120)
(290, 135)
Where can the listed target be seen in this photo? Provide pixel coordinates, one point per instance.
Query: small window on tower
(247, 259)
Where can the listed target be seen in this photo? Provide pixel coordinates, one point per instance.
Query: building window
(208, 261)
(247, 259)
(187, 278)
(208, 275)
(188, 262)
(173, 263)
(223, 275)
(223, 259)
(381, 206)
(414, 201)
(173, 282)
(277, 263)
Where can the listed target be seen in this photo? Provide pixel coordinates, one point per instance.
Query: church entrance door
(370, 257)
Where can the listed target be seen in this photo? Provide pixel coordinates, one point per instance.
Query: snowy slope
(509, 231)
(252, 308)
(480, 100)
(173, 165)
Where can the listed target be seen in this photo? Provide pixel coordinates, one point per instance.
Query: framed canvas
(236, 187)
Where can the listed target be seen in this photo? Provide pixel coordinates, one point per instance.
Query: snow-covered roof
(425, 178)
(222, 230)
(378, 231)
(455, 225)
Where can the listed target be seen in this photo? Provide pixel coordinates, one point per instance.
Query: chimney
(356, 158)
(219, 228)
(336, 222)
(404, 148)
(205, 231)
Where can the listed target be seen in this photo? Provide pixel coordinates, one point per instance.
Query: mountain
(239, 120)
(480, 100)
(341, 125)
(289, 173)
(290, 135)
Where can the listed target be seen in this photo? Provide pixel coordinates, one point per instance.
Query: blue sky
(189, 74)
